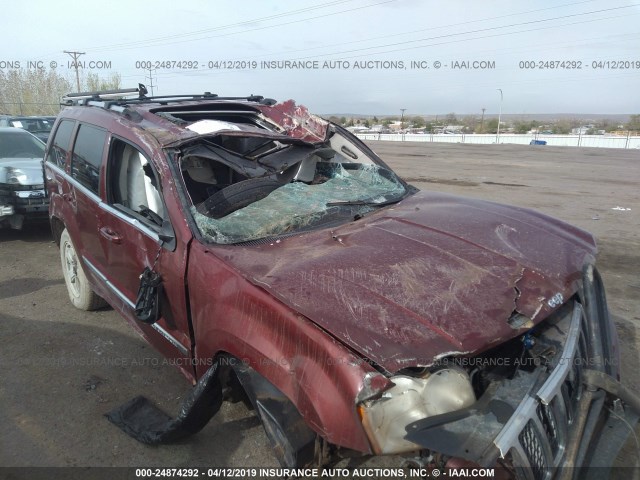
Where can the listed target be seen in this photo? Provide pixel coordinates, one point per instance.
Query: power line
(479, 38)
(470, 32)
(224, 27)
(170, 74)
(137, 45)
(198, 32)
(302, 10)
(420, 30)
(173, 73)
(475, 31)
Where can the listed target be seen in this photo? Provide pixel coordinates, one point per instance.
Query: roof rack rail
(82, 97)
(165, 99)
(132, 96)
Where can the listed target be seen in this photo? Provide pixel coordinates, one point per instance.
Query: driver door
(131, 222)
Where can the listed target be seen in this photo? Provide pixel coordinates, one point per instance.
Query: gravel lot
(63, 369)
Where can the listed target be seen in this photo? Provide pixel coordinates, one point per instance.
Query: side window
(60, 146)
(87, 156)
(133, 182)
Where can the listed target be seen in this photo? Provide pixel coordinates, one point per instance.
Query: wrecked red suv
(277, 259)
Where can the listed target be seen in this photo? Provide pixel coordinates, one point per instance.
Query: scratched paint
(407, 285)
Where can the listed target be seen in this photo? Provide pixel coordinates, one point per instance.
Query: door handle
(110, 235)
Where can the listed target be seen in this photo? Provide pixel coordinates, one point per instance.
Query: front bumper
(20, 201)
(545, 424)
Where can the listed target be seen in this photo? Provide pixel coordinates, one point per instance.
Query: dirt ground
(62, 369)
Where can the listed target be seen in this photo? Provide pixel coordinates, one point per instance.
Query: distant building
(359, 129)
(396, 125)
(582, 130)
(448, 129)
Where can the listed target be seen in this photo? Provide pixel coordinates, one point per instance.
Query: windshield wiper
(365, 202)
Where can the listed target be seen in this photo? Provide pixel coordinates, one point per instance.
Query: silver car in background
(22, 194)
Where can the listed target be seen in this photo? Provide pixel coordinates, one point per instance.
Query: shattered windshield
(337, 191)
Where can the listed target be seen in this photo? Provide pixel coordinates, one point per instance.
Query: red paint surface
(432, 275)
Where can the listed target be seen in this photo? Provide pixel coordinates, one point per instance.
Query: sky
(349, 56)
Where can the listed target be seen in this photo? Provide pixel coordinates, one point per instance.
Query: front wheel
(80, 292)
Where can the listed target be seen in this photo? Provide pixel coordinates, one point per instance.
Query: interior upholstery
(136, 188)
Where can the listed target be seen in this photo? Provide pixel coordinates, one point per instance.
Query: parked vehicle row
(40, 126)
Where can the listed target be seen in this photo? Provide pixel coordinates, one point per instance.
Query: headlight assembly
(412, 399)
(15, 176)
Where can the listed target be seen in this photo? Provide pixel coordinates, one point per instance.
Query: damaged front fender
(292, 439)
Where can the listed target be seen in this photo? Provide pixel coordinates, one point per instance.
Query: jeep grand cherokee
(356, 314)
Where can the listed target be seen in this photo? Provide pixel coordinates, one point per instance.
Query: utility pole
(482, 120)
(499, 116)
(151, 79)
(75, 56)
(402, 118)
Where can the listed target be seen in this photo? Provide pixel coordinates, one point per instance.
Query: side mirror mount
(167, 236)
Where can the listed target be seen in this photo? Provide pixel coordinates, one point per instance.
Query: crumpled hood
(432, 276)
(31, 167)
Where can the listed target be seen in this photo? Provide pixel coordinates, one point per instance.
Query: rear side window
(87, 156)
(60, 146)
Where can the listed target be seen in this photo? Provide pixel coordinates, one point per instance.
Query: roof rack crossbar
(100, 95)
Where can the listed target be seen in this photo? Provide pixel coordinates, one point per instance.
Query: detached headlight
(409, 400)
(15, 176)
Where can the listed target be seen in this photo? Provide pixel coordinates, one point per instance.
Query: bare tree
(92, 82)
(32, 92)
(38, 91)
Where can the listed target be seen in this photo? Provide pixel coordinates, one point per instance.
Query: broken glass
(298, 205)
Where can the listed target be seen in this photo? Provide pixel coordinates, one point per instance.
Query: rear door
(83, 197)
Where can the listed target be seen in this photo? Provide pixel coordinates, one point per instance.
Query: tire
(237, 196)
(80, 292)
